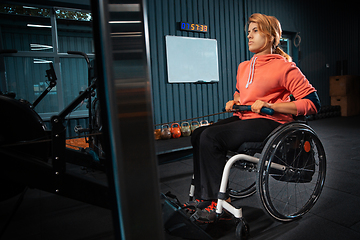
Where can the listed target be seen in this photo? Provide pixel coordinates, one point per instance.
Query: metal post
(125, 99)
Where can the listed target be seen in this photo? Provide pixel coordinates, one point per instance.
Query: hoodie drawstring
(251, 73)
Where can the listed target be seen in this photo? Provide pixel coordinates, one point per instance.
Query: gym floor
(336, 215)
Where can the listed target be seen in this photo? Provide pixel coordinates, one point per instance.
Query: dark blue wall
(329, 33)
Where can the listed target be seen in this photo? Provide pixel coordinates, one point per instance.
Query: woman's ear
(272, 39)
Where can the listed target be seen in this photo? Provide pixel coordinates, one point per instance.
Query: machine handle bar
(247, 108)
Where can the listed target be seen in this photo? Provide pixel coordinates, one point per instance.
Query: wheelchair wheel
(287, 194)
(242, 230)
(242, 179)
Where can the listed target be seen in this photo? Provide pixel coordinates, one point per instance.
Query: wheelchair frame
(274, 169)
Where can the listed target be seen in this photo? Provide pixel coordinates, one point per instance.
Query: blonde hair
(270, 26)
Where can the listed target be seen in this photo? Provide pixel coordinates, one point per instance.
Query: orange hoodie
(271, 78)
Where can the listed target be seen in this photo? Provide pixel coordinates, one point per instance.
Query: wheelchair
(287, 170)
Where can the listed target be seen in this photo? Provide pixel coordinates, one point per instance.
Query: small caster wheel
(242, 231)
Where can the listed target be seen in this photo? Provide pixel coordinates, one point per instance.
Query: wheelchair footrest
(178, 223)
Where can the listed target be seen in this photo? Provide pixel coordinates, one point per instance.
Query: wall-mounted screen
(192, 60)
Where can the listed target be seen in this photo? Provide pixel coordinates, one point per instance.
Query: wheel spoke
(288, 194)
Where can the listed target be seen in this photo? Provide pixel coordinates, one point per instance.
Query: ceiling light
(36, 25)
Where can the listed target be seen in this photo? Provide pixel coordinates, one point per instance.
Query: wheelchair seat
(251, 148)
(290, 148)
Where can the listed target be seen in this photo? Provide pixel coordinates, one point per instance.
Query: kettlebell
(157, 134)
(204, 123)
(165, 132)
(185, 129)
(175, 130)
(194, 125)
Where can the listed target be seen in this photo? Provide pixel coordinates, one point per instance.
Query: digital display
(193, 27)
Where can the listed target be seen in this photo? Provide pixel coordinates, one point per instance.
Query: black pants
(210, 146)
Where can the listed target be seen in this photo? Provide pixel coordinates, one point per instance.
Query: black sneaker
(192, 206)
(209, 215)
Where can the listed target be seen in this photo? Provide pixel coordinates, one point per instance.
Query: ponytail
(271, 27)
(279, 51)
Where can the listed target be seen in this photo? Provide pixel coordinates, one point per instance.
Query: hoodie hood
(257, 61)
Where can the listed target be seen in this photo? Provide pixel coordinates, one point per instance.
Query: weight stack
(345, 92)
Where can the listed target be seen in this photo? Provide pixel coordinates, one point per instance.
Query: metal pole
(125, 101)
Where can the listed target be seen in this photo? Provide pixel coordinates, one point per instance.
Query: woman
(267, 80)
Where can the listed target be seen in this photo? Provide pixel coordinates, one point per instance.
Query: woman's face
(258, 42)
